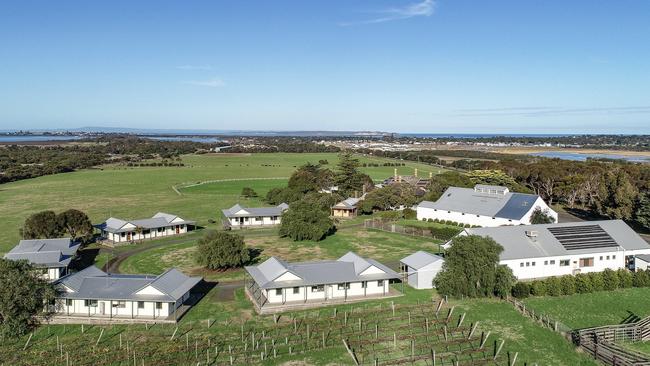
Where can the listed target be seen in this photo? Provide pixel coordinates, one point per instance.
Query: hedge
(582, 283)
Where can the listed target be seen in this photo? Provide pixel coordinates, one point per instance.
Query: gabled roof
(240, 211)
(475, 201)
(346, 269)
(532, 241)
(160, 219)
(349, 203)
(50, 253)
(93, 283)
(420, 259)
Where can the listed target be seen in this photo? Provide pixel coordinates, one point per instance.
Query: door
(102, 309)
(178, 229)
(128, 236)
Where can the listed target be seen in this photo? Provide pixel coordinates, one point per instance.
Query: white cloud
(211, 83)
(195, 67)
(424, 8)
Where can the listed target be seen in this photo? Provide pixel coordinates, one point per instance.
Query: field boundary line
(176, 187)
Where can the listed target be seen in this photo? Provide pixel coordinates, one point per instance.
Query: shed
(421, 268)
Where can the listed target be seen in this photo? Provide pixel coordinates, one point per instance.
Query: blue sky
(405, 66)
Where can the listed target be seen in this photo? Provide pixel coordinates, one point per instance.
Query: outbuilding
(420, 268)
(51, 257)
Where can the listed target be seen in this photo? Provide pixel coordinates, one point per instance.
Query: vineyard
(419, 334)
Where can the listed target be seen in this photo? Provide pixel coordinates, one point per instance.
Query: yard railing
(392, 227)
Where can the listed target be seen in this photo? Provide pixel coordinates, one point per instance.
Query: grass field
(388, 248)
(140, 192)
(595, 309)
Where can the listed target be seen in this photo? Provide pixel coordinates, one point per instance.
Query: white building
(93, 293)
(239, 217)
(160, 225)
(539, 251)
(279, 285)
(642, 262)
(420, 268)
(485, 206)
(51, 257)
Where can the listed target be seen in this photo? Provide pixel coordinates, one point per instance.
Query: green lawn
(595, 309)
(386, 247)
(140, 192)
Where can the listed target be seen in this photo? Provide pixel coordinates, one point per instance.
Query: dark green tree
(440, 182)
(276, 196)
(248, 192)
(389, 197)
(470, 268)
(23, 296)
(42, 225)
(348, 178)
(76, 223)
(305, 221)
(617, 196)
(540, 216)
(642, 211)
(221, 250)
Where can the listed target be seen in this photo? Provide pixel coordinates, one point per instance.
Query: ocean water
(583, 156)
(207, 140)
(37, 138)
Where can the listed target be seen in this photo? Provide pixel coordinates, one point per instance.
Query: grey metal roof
(643, 257)
(49, 253)
(510, 205)
(234, 211)
(160, 219)
(345, 269)
(92, 283)
(517, 245)
(420, 259)
(349, 203)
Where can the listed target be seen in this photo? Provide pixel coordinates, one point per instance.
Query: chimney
(395, 174)
(399, 178)
(430, 175)
(416, 172)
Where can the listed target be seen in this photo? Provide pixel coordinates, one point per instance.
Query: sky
(420, 66)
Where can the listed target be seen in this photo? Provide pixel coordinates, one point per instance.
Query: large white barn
(276, 284)
(484, 205)
(539, 251)
(92, 293)
(160, 225)
(51, 257)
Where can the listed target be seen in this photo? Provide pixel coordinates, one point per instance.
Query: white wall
(544, 207)
(423, 278)
(253, 221)
(153, 233)
(532, 268)
(330, 292)
(130, 309)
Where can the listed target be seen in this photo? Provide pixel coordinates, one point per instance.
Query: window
(274, 218)
(607, 257)
(552, 261)
(364, 284)
(319, 288)
(509, 220)
(68, 302)
(533, 264)
(258, 218)
(546, 263)
(613, 257)
(601, 257)
(140, 304)
(296, 290)
(564, 262)
(159, 305)
(278, 291)
(119, 304)
(448, 211)
(90, 303)
(521, 264)
(160, 230)
(527, 264)
(380, 283)
(478, 215)
(123, 235)
(145, 232)
(494, 218)
(463, 213)
(342, 286)
(587, 262)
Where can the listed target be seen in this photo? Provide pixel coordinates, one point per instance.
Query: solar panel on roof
(582, 237)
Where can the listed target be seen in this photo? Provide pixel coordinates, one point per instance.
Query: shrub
(304, 221)
(444, 233)
(641, 279)
(409, 214)
(553, 286)
(624, 278)
(583, 284)
(568, 284)
(538, 288)
(597, 282)
(221, 249)
(521, 290)
(610, 279)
